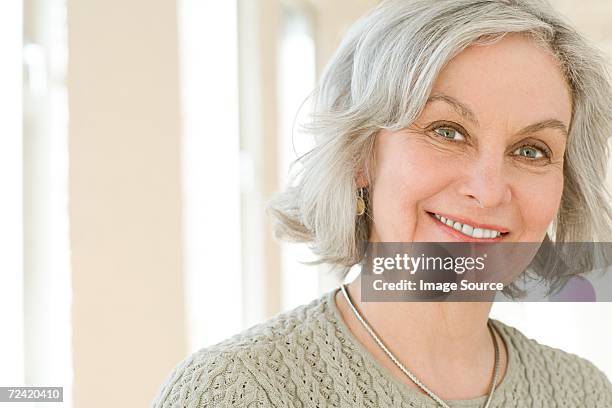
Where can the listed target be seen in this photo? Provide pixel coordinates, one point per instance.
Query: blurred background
(142, 139)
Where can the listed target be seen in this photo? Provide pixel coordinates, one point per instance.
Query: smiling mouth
(469, 230)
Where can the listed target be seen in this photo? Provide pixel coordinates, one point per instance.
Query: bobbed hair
(380, 78)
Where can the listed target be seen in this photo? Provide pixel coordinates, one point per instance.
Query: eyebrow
(465, 112)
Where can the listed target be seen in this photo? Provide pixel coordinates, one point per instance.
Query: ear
(365, 173)
(360, 179)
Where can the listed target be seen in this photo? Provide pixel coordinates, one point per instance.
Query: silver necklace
(407, 372)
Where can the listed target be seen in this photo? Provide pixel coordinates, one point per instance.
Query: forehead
(514, 80)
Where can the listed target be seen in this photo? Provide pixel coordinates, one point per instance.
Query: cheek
(538, 199)
(404, 178)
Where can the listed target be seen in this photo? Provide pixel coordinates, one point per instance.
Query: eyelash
(547, 154)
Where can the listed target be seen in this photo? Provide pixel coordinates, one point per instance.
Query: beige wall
(259, 29)
(125, 209)
(332, 19)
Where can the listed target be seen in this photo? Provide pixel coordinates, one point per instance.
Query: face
(484, 160)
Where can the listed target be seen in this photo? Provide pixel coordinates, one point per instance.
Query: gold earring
(361, 206)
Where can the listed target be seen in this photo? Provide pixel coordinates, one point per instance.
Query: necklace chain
(410, 374)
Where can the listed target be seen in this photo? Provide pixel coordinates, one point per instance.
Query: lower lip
(460, 236)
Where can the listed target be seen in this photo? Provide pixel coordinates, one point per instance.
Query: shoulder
(240, 370)
(208, 378)
(555, 371)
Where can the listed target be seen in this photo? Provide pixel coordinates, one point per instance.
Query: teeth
(469, 230)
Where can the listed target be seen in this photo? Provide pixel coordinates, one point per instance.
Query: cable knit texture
(307, 357)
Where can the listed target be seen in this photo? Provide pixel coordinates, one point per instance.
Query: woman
(492, 114)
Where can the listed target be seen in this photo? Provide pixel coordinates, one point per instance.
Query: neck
(445, 344)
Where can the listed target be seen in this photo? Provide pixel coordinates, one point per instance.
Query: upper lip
(464, 220)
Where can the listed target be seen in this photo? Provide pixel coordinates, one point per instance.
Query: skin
(492, 174)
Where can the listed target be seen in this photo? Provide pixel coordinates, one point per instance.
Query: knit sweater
(307, 357)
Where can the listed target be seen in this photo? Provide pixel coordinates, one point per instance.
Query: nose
(485, 182)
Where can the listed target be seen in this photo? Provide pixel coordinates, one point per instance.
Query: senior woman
(490, 114)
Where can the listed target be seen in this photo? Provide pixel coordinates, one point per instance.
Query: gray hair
(380, 78)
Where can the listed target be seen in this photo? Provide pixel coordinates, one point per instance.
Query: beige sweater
(307, 357)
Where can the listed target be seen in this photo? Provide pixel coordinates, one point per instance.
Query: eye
(529, 152)
(449, 133)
